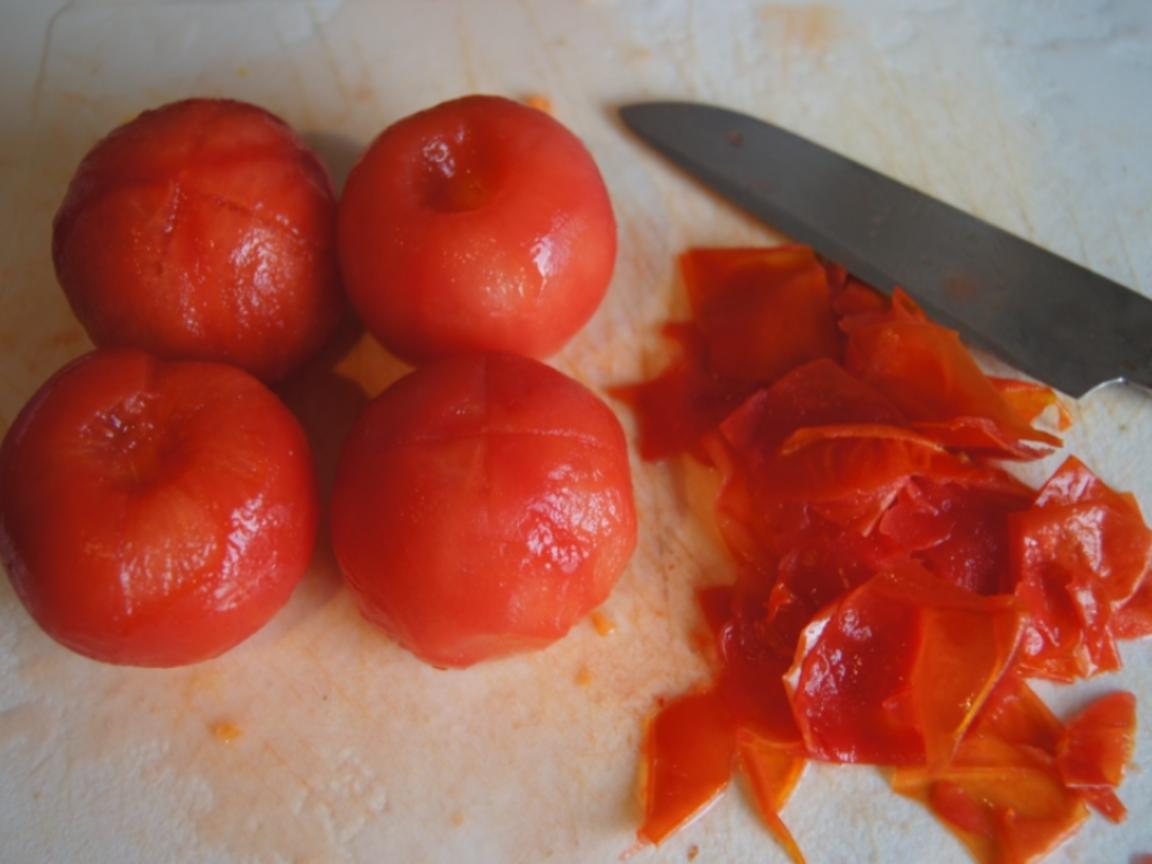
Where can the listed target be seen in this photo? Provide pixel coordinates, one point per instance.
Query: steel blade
(1048, 316)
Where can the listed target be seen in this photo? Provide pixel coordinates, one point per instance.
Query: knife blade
(1049, 317)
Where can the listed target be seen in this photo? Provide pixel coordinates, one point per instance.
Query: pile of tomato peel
(895, 587)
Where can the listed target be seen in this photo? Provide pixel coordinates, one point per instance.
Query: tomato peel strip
(894, 584)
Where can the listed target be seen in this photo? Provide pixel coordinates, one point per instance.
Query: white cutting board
(1034, 115)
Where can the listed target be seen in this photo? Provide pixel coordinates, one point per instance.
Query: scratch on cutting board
(683, 64)
(343, 693)
(673, 546)
(332, 61)
(45, 53)
(548, 65)
(538, 34)
(692, 57)
(286, 764)
(466, 59)
(304, 113)
(1074, 222)
(365, 90)
(739, 51)
(895, 87)
(1009, 163)
(47, 758)
(1126, 251)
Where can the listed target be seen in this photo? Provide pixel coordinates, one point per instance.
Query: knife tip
(636, 117)
(629, 110)
(658, 115)
(642, 116)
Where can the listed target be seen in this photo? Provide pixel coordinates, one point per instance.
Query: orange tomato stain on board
(603, 623)
(810, 28)
(539, 102)
(226, 732)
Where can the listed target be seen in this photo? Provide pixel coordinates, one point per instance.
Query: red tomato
(476, 225)
(482, 505)
(203, 230)
(154, 513)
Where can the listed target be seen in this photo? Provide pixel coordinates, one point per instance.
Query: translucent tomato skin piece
(1002, 793)
(1030, 400)
(203, 230)
(683, 403)
(689, 752)
(958, 532)
(773, 772)
(893, 585)
(757, 314)
(752, 677)
(895, 671)
(1010, 815)
(760, 311)
(928, 373)
(849, 693)
(815, 394)
(155, 513)
(819, 569)
(482, 505)
(1133, 619)
(1097, 746)
(479, 224)
(693, 743)
(1081, 555)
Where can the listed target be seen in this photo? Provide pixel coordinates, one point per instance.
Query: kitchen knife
(1053, 319)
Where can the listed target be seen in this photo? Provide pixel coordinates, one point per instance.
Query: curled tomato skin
(894, 672)
(676, 409)
(929, 374)
(1001, 793)
(1096, 747)
(1082, 556)
(479, 224)
(203, 230)
(773, 772)
(689, 752)
(154, 513)
(482, 505)
(761, 312)
(893, 584)
(958, 531)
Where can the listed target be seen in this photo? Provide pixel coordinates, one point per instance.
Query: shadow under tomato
(338, 153)
(327, 397)
(326, 404)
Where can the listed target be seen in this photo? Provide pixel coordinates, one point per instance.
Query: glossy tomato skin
(203, 230)
(154, 513)
(483, 504)
(477, 225)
